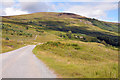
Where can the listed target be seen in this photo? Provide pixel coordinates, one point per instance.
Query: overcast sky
(106, 10)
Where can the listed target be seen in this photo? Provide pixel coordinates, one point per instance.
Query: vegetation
(76, 59)
(103, 25)
(19, 34)
(85, 38)
(67, 22)
(9, 45)
(74, 46)
(7, 38)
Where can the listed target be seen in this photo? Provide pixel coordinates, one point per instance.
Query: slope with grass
(65, 22)
(15, 36)
(76, 59)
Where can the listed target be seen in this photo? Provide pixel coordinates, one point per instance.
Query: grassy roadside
(9, 45)
(14, 41)
(12, 44)
(76, 59)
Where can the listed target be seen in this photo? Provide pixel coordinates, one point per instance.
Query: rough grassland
(41, 27)
(75, 59)
(11, 45)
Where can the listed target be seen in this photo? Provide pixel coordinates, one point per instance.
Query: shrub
(74, 44)
(30, 35)
(69, 34)
(26, 27)
(12, 34)
(6, 38)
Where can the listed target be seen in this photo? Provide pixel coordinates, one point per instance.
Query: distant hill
(62, 22)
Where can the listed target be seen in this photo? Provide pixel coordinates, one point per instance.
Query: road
(22, 63)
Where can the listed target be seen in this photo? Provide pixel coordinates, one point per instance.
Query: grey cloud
(30, 7)
(7, 4)
(36, 7)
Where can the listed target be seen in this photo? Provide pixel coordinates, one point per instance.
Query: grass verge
(75, 59)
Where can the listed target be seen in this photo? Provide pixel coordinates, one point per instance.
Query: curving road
(22, 63)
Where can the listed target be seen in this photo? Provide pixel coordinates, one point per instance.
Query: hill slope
(66, 22)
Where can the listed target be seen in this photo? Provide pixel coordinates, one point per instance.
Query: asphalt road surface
(22, 63)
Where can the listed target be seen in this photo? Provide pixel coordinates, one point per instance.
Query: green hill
(66, 22)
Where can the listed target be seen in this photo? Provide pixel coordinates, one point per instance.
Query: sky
(105, 10)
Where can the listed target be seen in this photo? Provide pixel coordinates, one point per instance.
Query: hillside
(66, 22)
(76, 59)
(73, 46)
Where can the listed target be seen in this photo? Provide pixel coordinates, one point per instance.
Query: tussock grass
(75, 59)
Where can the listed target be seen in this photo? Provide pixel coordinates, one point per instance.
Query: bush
(12, 34)
(69, 34)
(7, 38)
(74, 44)
(41, 31)
(26, 27)
(30, 35)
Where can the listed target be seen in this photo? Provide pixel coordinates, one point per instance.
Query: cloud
(37, 7)
(7, 3)
(94, 10)
(69, 0)
(18, 8)
(94, 0)
(13, 11)
(60, 0)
